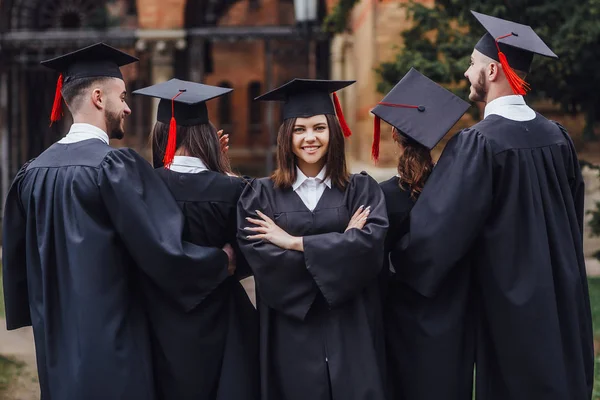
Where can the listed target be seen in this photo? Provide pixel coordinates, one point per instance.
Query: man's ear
(98, 98)
(494, 71)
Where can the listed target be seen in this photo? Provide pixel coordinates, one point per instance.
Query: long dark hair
(199, 141)
(285, 174)
(414, 165)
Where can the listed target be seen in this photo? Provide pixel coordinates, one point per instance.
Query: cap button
(421, 108)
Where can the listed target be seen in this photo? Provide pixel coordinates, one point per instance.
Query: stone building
(249, 45)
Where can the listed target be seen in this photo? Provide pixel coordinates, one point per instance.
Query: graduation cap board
(420, 109)
(304, 98)
(181, 103)
(97, 60)
(513, 45)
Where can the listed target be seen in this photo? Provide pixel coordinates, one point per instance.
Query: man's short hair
(73, 91)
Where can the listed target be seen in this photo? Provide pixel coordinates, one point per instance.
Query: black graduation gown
(509, 197)
(427, 339)
(82, 223)
(321, 333)
(210, 352)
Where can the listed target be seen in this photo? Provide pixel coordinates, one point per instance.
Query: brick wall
(161, 14)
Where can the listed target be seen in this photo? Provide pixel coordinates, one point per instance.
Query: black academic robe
(83, 222)
(321, 333)
(508, 196)
(210, 352)
(427, 339)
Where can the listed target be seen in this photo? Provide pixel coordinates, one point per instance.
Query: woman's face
(398, 140)
(310, 140)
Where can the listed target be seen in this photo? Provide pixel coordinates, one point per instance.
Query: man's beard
(479, 88)
(113, 125)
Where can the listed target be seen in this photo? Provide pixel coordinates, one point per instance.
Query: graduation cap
(513, 45)
(307, 97)
(419, 108)
(181, 103)
(97, 60)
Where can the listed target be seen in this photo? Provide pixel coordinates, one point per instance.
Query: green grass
(594, 286)
(9, 369)
(1, 294)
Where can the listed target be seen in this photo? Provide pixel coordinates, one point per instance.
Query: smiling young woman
(313, 235)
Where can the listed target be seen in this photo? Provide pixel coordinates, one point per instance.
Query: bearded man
(495, 247)
(84, 223)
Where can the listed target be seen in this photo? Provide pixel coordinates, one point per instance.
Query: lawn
(594, 285)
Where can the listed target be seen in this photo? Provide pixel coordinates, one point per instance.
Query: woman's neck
(311, 170)
(182, 151)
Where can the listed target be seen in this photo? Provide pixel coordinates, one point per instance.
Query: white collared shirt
(81, 131)
(187, 165)
(310, 190)
(511, 107)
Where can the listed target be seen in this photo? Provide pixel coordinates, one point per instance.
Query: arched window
(224, 110)
(255, 113)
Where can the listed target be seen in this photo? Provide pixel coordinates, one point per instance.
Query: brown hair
(285, 174)
(414, 165)
(199, 141)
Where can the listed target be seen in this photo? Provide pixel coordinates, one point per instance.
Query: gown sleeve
(242, 269)
(342, 264)
(14, 267)
(281, 277)
(577, 186)
(150, 224)
(449, 214)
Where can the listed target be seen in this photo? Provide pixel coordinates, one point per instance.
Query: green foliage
(337, 20)
(441, 40)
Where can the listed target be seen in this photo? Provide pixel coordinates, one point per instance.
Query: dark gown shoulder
(204, 186)
(398, 204)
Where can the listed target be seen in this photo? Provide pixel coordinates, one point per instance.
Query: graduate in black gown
(313, 235)
(83, 224)
(421, 347)
(210, 352)
(506, 197)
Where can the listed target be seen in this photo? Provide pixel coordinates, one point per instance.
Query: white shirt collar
(80, 131)
(511, 107)
(320, 178)
(187, 165)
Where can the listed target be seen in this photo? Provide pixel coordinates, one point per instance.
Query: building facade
(249, 45)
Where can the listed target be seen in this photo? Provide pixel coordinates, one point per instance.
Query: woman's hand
(223, 141)
(268, 230)
(359, 218)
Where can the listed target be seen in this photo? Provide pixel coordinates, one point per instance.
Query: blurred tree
(337, 20)
(441, 40)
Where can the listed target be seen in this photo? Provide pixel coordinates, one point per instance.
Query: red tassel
(340, 114)
(172, 140)
(377, 127)
(517, 84)
(171, 143)
(376, 139)
(57, 111)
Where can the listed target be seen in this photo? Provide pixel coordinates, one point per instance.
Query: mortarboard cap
(420, 109)
(513, 45)
(181, 103)
(307, 97)
(97, 60)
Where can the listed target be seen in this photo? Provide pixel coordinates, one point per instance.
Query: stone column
(161, 45)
